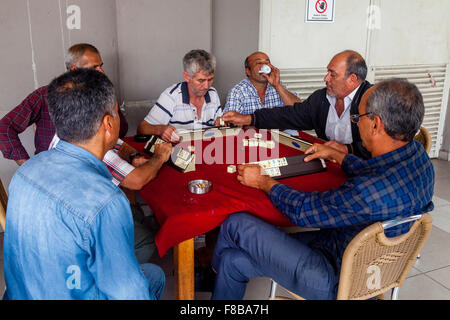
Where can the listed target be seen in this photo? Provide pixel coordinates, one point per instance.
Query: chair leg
(273, 289)
(394, 293)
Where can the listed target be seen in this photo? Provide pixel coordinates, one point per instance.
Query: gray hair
(75, 53)
(356, 64)
(399, 104)
(77, 102)
(199, 60)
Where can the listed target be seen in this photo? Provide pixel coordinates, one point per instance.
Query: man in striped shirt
(192, 104)
(396, 182)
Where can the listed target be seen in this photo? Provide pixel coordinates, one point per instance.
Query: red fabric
(183, 215)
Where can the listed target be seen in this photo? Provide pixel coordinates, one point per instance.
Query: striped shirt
(397, 184)
(174, 108)
(118, 167)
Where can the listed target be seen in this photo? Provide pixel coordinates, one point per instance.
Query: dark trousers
(144, 232)
(248, 247)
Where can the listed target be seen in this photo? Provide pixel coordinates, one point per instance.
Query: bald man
(327, 110)
(259, 90)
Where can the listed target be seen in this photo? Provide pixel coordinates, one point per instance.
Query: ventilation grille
(303, 81)
(430, 79)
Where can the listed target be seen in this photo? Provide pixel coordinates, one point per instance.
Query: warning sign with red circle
(320, 11)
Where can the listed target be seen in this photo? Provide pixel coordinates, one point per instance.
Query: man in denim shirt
(396, 182)
(69, 229)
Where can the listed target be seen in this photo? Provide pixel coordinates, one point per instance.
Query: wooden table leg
(183, 255)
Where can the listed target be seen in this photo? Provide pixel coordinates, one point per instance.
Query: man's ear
(377, 125)
(186, 76)
(108, 124)
(247, 72)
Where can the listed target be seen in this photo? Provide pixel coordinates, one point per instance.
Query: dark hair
(199, 60)
(76, 51)
(356, 64)
(399, 104)
(77, 102)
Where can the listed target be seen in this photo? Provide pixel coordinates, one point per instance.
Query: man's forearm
(288, 97)
(142, 175)
(147, 128)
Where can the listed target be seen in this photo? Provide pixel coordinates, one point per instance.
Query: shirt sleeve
(162, 111)
(16, 122)
(234, 101)
(112, 261)
(339, 207)
(118, 167)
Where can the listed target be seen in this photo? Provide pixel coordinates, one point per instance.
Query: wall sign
(319, 11)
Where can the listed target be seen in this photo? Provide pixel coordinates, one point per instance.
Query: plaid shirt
(33, 109)
(243, 98)
(396, 184)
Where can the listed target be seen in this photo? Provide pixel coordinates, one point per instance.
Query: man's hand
(252, 176)
(322, 151)
(21, 161)
(338, 146)
(163, 151)
(168, 133)
(139, 161)
(273, 77)
(237, 119)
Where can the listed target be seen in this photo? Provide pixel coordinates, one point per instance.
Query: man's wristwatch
(134, 155)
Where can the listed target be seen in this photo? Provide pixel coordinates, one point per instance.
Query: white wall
(34, 39)
(406, 32)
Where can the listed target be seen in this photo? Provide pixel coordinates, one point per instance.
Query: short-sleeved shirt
(173, 108)
(243, 98)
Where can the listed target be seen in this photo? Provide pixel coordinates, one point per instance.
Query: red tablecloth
(183, 215)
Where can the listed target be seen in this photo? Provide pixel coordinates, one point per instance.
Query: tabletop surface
(183, 215)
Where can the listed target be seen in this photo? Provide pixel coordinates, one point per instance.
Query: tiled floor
(428, 280)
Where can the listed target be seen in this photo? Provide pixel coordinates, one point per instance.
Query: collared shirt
(243, 98)
(33, 109)
(174, 108)
(69, 231)
(339, 128)
(118, 167)
(393, 185)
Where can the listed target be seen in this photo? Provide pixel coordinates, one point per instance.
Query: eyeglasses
(356, 117)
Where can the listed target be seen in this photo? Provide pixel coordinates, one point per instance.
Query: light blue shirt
(69, 231)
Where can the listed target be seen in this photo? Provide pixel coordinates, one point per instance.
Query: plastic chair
(3, 203)
(374, 264)
(423, 136)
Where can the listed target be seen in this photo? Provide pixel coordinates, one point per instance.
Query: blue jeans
(248, 247)
(156, 278)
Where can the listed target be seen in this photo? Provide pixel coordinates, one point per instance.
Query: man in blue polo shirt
(192, 104)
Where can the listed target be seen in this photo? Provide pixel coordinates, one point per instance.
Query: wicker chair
(374, 264)
(3, 202)
(423, 136)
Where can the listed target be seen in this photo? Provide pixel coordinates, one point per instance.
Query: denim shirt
(69, 231)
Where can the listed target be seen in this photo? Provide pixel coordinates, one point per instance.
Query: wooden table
(183, 215)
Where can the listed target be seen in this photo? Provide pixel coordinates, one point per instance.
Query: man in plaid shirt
(396, 182)
(259, 90)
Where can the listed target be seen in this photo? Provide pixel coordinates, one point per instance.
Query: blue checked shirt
(243, 98)
(396, 184)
